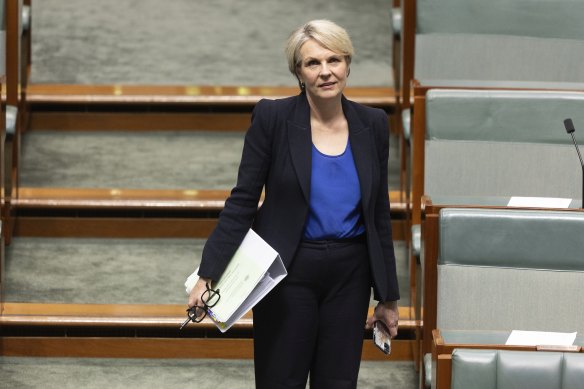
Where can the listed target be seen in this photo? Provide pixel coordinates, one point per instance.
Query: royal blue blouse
(335, 197)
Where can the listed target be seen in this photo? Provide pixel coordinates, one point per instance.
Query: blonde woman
(322, 161)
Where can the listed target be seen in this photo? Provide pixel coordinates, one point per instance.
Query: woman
(322, 161)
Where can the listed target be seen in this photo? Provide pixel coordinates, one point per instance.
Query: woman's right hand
(197, 292)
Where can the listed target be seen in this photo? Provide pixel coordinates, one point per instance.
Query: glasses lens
(197, 314)
(211, 297)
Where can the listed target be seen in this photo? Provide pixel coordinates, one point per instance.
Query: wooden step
(244, 96)
(160, 107)
(138, 347)
(59, 332)
(65, 212)
(93, 198)
(125, 316)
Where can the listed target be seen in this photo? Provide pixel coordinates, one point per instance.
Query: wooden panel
(139, 198)
(194, 94)
(127, 347)
(79, 198)
(12, 51)
(161, 348)
(443, 371)
(130, 310)
(408, 43)
(138, 121)
(118, 227)
(113, 227)
(430, 234)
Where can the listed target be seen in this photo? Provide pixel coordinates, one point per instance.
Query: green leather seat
(501, 143)
(504, 41)
(502, 369)
(505, 269)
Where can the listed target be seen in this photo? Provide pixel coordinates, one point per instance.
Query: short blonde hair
(328, 34)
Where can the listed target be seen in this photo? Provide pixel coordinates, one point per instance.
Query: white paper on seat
(540, 338)
(539, 202)
(255, 269)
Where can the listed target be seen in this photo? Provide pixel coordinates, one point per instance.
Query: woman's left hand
(388, 313)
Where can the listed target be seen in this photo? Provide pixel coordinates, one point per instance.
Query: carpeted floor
(62, 373)
(114, 271)
(147, 160)
(202, 42)
(183, 42)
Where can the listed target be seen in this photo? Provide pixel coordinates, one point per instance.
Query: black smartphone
(381, 337)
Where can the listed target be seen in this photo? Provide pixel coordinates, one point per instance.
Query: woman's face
(324, 72)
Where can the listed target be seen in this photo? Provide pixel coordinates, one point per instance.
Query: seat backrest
(501, 143)
(505, 269)
(504, 369)
(531, 40)
(535, 18)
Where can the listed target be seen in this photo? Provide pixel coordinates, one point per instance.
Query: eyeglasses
(196, 314)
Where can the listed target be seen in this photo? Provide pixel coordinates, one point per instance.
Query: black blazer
(277, 155)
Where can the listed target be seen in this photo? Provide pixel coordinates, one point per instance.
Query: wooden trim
(12, 51)
(50, 227)
(431, 232)
(222, 348)
(127, 347)
(189, 95)
(120, 227)
(408, 51)
(129, 310)
(443, 371)
(91, 198)
(114, 198)
(418, 153)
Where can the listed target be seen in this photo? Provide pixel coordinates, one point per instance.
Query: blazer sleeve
(382, 212)
(242, 205)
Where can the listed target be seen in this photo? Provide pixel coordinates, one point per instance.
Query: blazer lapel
(300, 141)
(361, 146)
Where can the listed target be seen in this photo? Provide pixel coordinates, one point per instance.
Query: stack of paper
(255, 269)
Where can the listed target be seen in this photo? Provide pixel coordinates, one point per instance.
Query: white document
(255, 269)
(539, 202)
(539, 338)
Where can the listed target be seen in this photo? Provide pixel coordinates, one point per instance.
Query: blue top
(335, 197)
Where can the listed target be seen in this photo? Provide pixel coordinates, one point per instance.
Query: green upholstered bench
(508, 40)
(501, 369)
(501, 143)
(505, 269)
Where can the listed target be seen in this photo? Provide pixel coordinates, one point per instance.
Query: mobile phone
(381, 337)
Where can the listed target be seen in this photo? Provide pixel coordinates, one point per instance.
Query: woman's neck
(325, 111)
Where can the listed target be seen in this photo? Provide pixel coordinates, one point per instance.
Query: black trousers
(313, 321)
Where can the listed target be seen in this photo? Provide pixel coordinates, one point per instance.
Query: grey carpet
(143, 160)
(113, 271)
(203, 42)
(62, 373)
